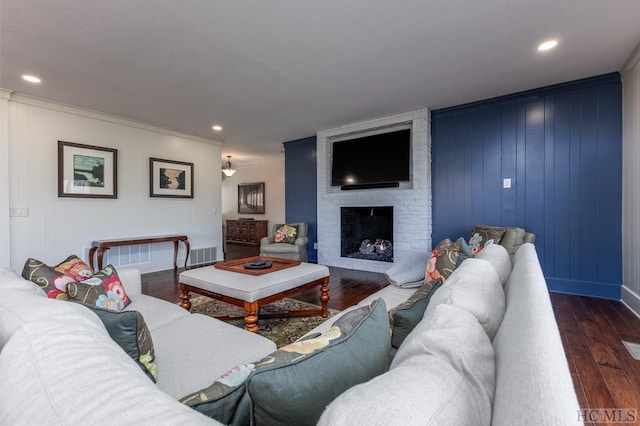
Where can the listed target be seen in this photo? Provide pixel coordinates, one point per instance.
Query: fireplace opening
(367, 233)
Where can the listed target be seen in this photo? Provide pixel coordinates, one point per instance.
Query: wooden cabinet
(248, 232)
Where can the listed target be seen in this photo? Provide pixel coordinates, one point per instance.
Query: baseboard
(584, 288)
(631, 300)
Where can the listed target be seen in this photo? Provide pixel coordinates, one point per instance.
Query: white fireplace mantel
(412, 206)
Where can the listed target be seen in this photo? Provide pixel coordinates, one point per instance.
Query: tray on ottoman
(277, 264)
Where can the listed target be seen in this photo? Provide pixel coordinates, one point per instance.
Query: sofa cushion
(156, 312)
(444, 373)
(475, 287)
(19, 307)
(286, 234)
(130, 332)
(408, 271)
(54, 279)
(500, 260)
(293, 385)
(71, 372)
(442, 261)
(482, 234)
(407, 315)
(9, 280)
(192, 351)
(103, 289)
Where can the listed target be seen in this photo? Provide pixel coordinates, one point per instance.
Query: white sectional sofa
(496, 361)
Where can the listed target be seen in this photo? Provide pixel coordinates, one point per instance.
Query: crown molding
(110, 118)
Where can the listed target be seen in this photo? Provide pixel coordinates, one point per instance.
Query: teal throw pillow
(407, 315)
(465, 251)
(294, 384)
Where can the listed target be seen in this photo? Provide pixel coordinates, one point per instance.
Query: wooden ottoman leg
(185, 300)
(251, 319)
(324, 296)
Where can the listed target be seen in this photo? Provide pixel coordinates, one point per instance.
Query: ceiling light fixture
(31, 78)
(228, 171)
(550, 44)
(217, 128)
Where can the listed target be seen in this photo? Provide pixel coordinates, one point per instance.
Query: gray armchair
(296, 251)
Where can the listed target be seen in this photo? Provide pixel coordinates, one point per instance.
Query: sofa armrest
(130, 278)
(266, 240)
(302, 241)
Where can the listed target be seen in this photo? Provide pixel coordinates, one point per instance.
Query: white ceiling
(274, 71)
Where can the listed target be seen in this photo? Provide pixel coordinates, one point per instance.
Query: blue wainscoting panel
(561, 146)
(301, 187)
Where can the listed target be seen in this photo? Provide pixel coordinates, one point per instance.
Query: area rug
(282, 331)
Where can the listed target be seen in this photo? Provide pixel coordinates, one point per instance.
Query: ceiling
(274, 71)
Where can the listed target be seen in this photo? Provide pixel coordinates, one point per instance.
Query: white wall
(271, 172)
(412, 216)
(630, 180)
(57, 227)
(5, 230)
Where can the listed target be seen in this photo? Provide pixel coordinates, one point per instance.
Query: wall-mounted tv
(375, 161)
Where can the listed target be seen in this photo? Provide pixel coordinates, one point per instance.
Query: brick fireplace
(411, 203)
(367, 233)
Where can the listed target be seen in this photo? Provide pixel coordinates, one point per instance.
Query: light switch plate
(506, 183)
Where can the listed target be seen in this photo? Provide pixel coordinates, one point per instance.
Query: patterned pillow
(442, 261)
(103, 290)
(483, 234)
(294, 384)
(129, 330)
(286, 234)
(54, 279)
(404, 317)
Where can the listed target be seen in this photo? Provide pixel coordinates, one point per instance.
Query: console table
(101, 246)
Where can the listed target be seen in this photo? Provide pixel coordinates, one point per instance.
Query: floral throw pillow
(103, 290)
(286, 234)
(482, 235)
(443, 261)
(54, 279)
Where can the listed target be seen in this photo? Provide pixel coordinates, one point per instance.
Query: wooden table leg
(188, 247)
(175, 255)
(185, 300)
(92, 252)
(100, 257)
(324, 297)
(251, 319)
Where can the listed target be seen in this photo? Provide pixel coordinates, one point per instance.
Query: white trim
(96, 115)
(631, 300)
(633, 59)
(5, 94)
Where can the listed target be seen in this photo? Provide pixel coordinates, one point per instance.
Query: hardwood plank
(622, 325)
(604, 356)
(569, 328)
(624, 395)
(626, 313)
(595, 388)
(630, 365)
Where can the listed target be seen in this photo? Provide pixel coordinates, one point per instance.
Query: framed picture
(87, 171)
(251, 198)
(173, 179)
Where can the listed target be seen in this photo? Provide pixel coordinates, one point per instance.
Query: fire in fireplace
(367, 233)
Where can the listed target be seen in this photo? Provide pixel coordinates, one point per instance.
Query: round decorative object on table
(258, 265)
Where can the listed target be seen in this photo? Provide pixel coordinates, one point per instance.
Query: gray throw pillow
(407, 315)
(294, 384)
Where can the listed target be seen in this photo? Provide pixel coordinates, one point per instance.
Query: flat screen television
(380, 160)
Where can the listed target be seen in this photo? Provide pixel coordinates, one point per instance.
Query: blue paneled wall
(301, 187)
(561, 147)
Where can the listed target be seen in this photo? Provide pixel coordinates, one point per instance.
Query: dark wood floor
(604, 373)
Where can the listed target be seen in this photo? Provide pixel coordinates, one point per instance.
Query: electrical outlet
(18, 212)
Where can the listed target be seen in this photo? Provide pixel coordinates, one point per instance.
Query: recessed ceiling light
(548, 45)
(31, 78)
(217, 128)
